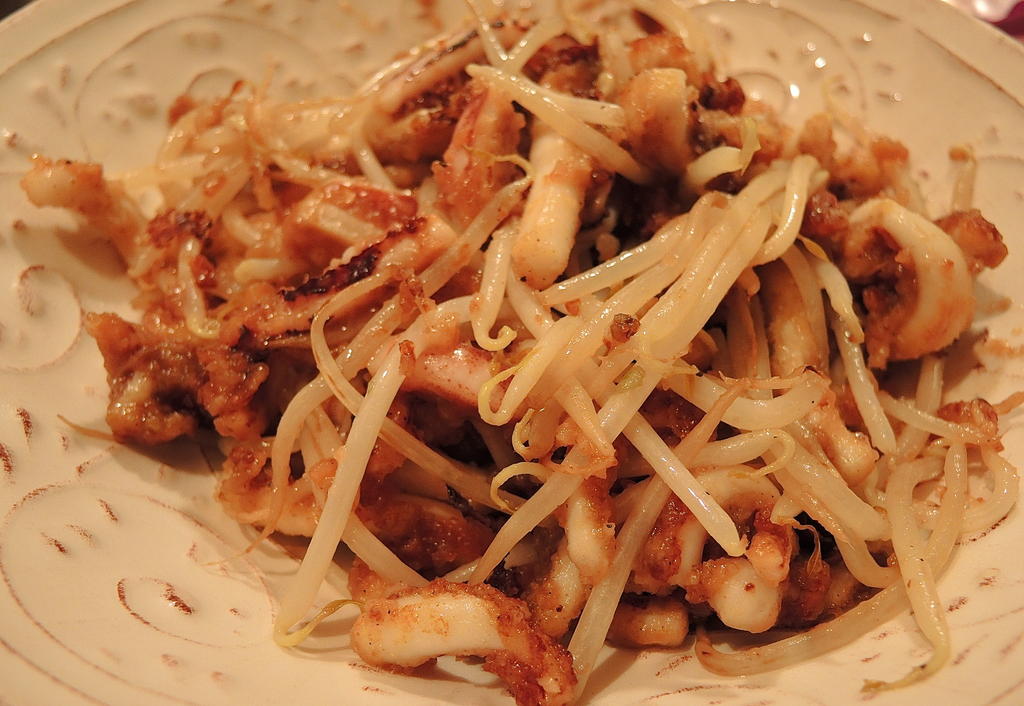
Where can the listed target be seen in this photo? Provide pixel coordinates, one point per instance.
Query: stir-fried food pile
(568, 341)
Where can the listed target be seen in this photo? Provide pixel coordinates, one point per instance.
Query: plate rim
(935, 20)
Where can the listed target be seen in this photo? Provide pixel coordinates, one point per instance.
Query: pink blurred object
(1007, 15)
(1013, 23)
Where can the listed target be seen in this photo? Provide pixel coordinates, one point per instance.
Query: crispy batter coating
(414, 626)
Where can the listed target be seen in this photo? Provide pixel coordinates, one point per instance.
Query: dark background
(9, 6)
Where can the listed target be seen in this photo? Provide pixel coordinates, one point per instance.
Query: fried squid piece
(672, 553)
(231, 381)
(341, 218)
(741, 597)
(558, 596)
(456, 375)
(162, 388)
(824, 217)
(978, 414)
(660, 111)
(674, 112)
(875, 166)
(589, 529)
(981, 242)
(365, 584)
(716, 127)
(263, 312)
(422, 127)
(810, 579)
(919, 293)
(915, 276)
(428, 535)
(746, 592)
(243, 490)
(244, 487)
(473, 170)
(849, 451)
(551, 217)
(414, 626)
(566, 179)
(649, 621)
(80, 187)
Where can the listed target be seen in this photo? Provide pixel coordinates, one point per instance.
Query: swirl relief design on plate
(41, 319)
(122, 582)
(140, 572)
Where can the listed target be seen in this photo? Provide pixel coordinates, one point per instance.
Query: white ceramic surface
(121, 580)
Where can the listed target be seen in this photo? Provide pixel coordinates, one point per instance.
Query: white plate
(121, 581)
